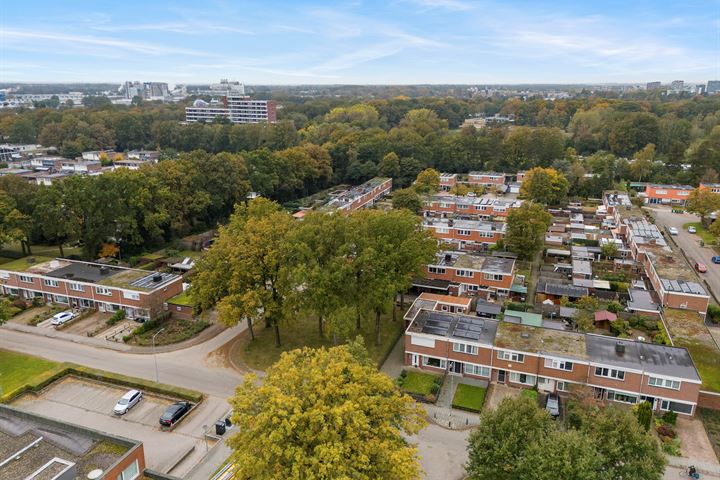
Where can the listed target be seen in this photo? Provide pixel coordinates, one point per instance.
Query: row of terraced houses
(552, 360)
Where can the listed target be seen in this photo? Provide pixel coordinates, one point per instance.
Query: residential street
(689, 243)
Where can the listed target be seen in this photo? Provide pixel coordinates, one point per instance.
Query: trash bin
(220, 428)
(228, 422)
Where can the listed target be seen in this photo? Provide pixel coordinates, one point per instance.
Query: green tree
(427, 181)
(571, 457)
(324, 414)
(703, 202)
(390, 166)
(407, 198)
(526, 227)
(14, 225)
(245, 272)
(609, 250)
(496, 448)
(4, 310)
(545, 185)
(644, 414)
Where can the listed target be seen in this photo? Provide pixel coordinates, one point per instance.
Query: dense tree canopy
(526, 227)
(323, 415)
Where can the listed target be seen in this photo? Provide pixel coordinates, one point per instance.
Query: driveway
(689, 243)
(90, 404)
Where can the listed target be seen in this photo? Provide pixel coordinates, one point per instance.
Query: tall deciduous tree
(526, 226)
(246, 270)
(427, 181)
(703, 202)
(323, 415)
(545, 185)
(407, 198)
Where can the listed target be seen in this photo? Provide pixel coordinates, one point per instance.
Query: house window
(677, 407)
(493, 276)
(464, 233)
(683, 194)
(464, 348)
(76, 287)
(422, 341)
(561, 386)
(464, 273)
(512, 356)
(434, 362)
(61, 299)
(609, 373)
(664, 383)
(51, 283)
(130, 473)
(131, 295)
(558, 364)
(438, 270)
(621, 397)
(26, 279)
(487, 234)
(442, 229)
(522, 378)
(103, 291)
(471, 369)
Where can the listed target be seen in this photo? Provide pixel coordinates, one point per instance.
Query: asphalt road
(690, 243)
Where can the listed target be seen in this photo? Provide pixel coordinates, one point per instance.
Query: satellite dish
(95, 474)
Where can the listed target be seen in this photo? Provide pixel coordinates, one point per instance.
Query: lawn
(302, 331)
(531, 394)
(43, 250)
(17, 370)
(182, 299)
(174, 330)
(702, 232)
(418, 383)
(469, 397)
(711, 421)
(687, 329)
(21, 264)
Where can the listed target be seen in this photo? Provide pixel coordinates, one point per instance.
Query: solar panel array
(682, 286)
(469, 327)
(436, 324)
(149, 280)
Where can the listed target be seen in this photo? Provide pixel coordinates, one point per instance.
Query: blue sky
(379, 42)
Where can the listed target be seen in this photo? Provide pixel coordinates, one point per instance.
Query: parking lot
(90, 404)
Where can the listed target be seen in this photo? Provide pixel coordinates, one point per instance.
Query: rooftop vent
(525, 335)
(157, 277)
(620, 348)
(104, 270)
(448, 257)
(69, 275)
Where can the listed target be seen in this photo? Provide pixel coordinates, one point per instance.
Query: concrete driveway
(90, 404)
(689, 243)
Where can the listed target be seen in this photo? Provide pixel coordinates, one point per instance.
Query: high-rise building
(653, 85)
(677, 86)
(237, 108)
(146, 90)
(713, 87)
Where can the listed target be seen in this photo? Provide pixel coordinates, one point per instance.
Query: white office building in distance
(237, 108)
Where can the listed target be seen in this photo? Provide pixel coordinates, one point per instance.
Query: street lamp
(157, 375)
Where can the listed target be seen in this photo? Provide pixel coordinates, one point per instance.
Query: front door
(501, 376)
(414, 359)
(455, 368)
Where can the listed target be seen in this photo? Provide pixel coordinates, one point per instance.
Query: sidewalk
(705, 468)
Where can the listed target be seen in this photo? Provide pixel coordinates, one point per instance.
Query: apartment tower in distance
(233, 105)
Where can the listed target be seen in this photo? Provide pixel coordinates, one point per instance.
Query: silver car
(129, 400)
(62, 317)
(552, 405)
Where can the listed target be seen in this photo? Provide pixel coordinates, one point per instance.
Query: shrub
(643, 411)
(666, 431)
(670, 418)
(435, 388)
(518, 307)
(713, 312)
(661, 338)
(117, 316)
(619, 327)
(615, 307)
(37, 301)
(671, 446)
(172, 252)
(19, 303)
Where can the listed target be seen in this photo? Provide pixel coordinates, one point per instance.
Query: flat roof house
(466, 234)
(77, 284)
(666, 194)
(527, 356)
(488, 179)
(362, 196)
(470, 274)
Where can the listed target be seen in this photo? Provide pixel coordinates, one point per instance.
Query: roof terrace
(525, 338)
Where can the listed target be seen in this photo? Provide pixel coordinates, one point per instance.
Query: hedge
(102, 376)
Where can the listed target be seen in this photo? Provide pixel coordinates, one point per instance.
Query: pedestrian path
(704, 468)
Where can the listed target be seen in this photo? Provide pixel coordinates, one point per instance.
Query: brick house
(469, 274)
(447, 181)
(466, 235)
(666, 194)
(77, 284)
(524, 356)
(469, 206)
(487, 179)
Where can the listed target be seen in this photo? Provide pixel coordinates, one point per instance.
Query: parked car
(716, 259)
(673, 231)
(552, 405)
(700, 267)
(129, 400)
(692, 230)
(62, 317)
(173, 413)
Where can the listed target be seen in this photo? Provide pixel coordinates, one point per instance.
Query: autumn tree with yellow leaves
(324, 414)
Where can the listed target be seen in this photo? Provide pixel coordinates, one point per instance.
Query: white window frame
(477, 370)
(516, 377)
(611, 373)
(76, 287)
(25, 279)
(442, 230)
(51, 283)
(436, 270)
(558, 364)
(465, 348)
(665, 406)
(131, 295)
(443, 362)
(664, 383)
(463, 233)
(103, 291)
(561, 386)
(511, 356)
(128, 474)
(496, 277)
(464, 273)
(612, 395)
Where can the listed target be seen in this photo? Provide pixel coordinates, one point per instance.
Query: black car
(174, 413)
